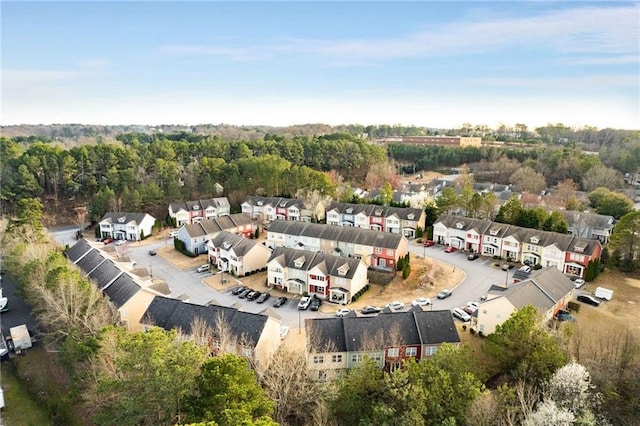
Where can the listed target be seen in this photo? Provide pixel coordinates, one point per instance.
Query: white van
(461, 315)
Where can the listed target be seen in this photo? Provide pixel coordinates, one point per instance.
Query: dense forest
(147, 169)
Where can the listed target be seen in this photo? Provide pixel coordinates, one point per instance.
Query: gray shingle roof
(542, 290)
(218, 224)
(105, 274)
(376, 210)
(78, 250)
(354, 334)
(354, 235)
(121, 290)
(90, 261)
(229, 241)
(116, 217)
(175, 314)
(274, 202)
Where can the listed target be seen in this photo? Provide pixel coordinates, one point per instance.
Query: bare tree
(527, 179)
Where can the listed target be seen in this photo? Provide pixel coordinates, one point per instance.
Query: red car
(108, 241)
(450, 249)
(429, 243)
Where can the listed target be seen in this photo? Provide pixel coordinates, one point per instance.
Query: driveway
(188, 284)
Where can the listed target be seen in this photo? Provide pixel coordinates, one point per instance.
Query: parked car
(472, 256)
(304, 303)
(253, 295)
(239, 289)
(578, 283)
(450, 249)
(152, 252)
(525, 268)
(507, 266)
(429, 243)
(280, 301)
(284, 330)
(204, 268)
(420, 301)
(589, 300)
(315, 303)
(343, 312)
(461, 315)
(444, 294)
(563, 315)
(395, 306)
(243, 294)
(263, 298)
(370, 310)
(121, 242)
(474, 305)
(108, 241)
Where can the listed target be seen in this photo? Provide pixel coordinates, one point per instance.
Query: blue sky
(435, 64)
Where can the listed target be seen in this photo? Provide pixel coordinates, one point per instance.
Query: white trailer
(603, 293)
(20, 337)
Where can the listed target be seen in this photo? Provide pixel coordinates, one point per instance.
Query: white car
(475, 305)
(204, 268)
(304, 303)
(396, 306)
(579, 282)
(343, 312)
(284, 330)
(421, 301)
(121, 242)
(461, 315)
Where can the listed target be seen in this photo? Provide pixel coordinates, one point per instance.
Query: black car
(472, 256)
(263, 298)
(243, 294)
(152, 252)
(315, 304)
(589, 300)
(370, 310)
(237, 290)
(253, 295)
(280, 301)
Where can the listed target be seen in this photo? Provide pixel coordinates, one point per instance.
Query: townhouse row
(569, 253)
(396, 220)
(376, 249)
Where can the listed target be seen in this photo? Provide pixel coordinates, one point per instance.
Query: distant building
(456, 141)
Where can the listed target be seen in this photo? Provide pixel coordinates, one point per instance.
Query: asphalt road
(480, 275)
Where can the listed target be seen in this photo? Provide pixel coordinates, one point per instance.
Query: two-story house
(334, 345)
(123, 291)
(326, 276)
(197, 235)
(548, 290)
(590, 225)
(377, 249)
(126, 226)
(267, 209)
(188, 212)
(254, 336)
(460, 232)
(236, 254)
(396, 220)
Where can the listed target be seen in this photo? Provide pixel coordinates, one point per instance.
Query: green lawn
(20, 409)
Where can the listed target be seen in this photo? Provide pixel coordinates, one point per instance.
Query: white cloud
(605, 30)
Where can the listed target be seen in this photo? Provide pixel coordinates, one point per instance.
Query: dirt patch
(624, 304)
(179, 260)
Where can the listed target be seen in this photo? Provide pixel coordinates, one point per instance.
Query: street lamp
(151, 272)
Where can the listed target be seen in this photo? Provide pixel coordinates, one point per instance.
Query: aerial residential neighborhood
(320, 213)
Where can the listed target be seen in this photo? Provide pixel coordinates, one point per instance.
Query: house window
(322, 374)
(318, 359)
(336, 358)
(412, 352)
(431, 350)
(393, 352)
(389, 252)
(378, 250)
(376, 357)
(356, 358)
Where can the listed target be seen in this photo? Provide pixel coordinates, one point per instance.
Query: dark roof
(174, 314)
(105, 274)
(376, 210)
(228, 241)
(78, 250)
(121, 290)
(91, 261)
(347, 234)
(117, 217)
(274, 201)
(217, 224)
(354, 334)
